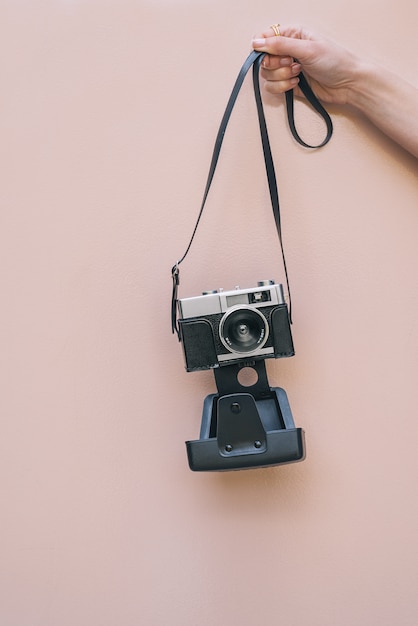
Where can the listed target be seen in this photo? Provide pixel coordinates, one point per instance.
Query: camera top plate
(220, 301)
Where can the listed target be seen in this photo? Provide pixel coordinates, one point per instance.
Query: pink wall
(109, 111)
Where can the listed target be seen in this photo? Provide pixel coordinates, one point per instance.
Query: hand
(329, 68)
(338, 76)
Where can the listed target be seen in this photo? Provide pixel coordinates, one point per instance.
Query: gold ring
(275, 27)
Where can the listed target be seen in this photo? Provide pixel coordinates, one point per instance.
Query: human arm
(338, 76)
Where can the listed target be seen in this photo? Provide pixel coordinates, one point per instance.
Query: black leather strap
(314, 102)
(254, 60)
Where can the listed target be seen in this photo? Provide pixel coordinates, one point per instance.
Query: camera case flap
(252, 427)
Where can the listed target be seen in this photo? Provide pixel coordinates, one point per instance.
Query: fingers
(293, 42)
(280, 68)
(282, 76)
(276, 62)
(280, 73)
(281, 46)
(272, 32)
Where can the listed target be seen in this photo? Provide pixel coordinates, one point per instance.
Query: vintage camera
(226, 327)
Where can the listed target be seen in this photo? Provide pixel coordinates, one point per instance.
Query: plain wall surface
(109, 111)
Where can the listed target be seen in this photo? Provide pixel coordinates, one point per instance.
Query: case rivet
(257, 444)
(228, 448)
(235, 407)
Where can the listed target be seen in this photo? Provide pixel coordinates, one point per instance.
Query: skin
(338, 76)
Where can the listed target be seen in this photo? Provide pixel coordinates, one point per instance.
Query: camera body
(228, 327)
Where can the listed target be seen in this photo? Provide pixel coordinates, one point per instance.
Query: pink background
(109, 111)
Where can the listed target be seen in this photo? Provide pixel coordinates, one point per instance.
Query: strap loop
(314, 102)
(254, 60)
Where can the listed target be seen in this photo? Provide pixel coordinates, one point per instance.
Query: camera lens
(243, 329)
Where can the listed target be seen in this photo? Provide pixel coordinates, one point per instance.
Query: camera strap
(254, 60)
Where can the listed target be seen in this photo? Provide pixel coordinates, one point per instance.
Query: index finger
(293, 41)
(281, 46)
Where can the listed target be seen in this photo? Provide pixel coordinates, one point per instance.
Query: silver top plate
(212, 303)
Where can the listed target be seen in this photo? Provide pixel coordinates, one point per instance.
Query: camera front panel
(236, 335)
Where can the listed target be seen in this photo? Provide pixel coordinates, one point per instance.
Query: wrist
(363, 84)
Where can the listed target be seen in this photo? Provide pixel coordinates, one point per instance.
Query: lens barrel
(243, 329)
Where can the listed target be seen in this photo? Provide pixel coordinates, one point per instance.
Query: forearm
(388, 101)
